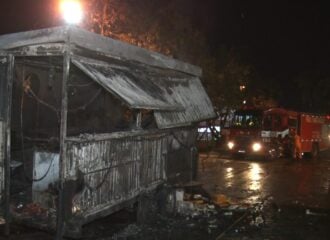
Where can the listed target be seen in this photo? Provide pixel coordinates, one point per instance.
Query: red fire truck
(269, 133)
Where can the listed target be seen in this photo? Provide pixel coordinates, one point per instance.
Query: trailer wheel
(315, 151)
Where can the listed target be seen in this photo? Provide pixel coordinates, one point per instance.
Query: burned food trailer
(88, 123)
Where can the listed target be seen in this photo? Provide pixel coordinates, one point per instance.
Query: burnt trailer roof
(95, 42)
(140, 78)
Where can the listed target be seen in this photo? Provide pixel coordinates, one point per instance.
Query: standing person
(287, 146)
(297, 147)
(291, 143)
(279, 144)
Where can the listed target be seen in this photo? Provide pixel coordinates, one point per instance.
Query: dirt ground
(233, 199)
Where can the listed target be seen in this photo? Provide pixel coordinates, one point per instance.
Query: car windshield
(247, 119)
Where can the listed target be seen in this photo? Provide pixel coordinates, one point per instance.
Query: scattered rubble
(309, 212)
(130, 230)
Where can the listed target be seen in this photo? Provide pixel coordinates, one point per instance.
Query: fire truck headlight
(256, 147)
(230, 145)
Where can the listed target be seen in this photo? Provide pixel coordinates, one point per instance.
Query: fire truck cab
(243, 136)
(270, 133)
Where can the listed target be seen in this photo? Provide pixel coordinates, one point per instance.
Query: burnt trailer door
(6, 76)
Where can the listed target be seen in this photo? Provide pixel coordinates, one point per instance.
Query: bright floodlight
(256, 147)
(71, 11)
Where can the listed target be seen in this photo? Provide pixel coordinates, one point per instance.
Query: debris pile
(35, 211)
(129, 231)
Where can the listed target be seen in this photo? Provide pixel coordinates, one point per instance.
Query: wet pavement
(241, 199)
(294, 196)
(306, 182)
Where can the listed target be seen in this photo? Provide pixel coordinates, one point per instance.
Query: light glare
(255, 177)
(230, 145)
(71, 11)
(256, 147)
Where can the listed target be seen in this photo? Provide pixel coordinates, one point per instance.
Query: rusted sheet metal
(96, 43)
(2, 158)
(179, 99)
(114, 169)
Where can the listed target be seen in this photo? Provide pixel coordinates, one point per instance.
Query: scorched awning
(178, 99)
(136, 91)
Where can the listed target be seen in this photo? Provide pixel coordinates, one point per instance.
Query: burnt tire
(315, 153)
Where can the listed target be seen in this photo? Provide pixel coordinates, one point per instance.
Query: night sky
(281, 37)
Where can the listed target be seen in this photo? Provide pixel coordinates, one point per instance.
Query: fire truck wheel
(315, 151)
(237, 156)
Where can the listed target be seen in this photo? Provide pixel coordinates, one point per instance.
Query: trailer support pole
(63, 133)
(10, 73)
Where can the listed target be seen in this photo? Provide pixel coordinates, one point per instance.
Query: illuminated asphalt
(293, 196)
(306, 182)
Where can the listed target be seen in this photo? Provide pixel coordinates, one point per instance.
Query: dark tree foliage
(162, 26)
(312, 91)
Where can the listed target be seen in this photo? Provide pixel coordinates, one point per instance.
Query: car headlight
(256, 147)
(230, 145)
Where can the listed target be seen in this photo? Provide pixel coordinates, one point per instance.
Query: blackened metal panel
(136, 91)
(96, 43)
(182, 157)
(190, 94)
(3, 85)
(49, 35)
(130, 52)
(114, 170)
(153, 161)
(61, 209)
(2, 158)
(6, 80)
(47, 49)
(4, 63)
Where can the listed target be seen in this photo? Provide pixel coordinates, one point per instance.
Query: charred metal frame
(7, 140)
(67, 50)
(63, 135)
(5, 134)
